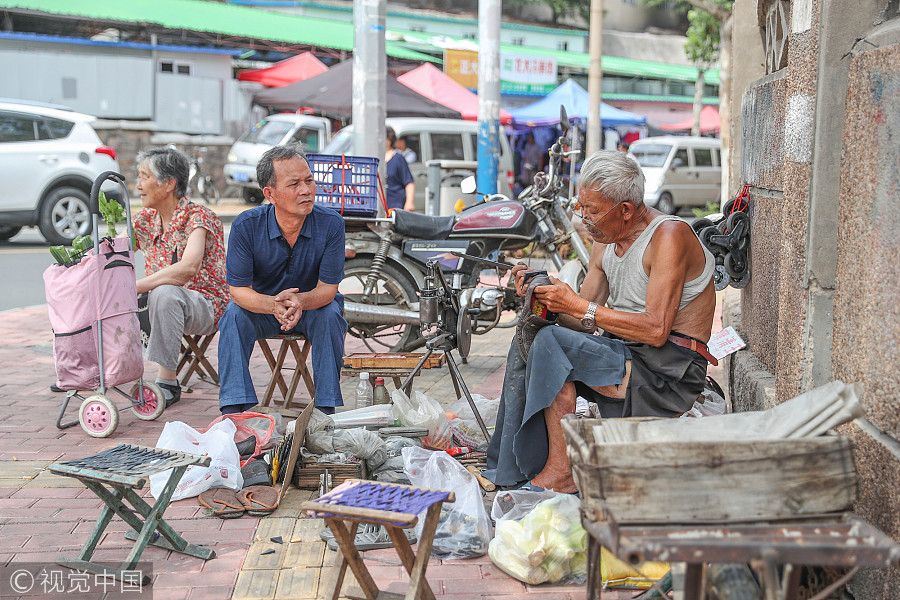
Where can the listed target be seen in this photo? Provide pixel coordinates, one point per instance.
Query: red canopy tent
(432, 83)
(709, 122)
(291, 70)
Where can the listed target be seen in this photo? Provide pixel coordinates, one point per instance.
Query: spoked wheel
(98, 416)
(149, 402)
(208, 190)
(392, 289)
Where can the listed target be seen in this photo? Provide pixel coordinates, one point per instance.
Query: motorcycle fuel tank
(503, 218)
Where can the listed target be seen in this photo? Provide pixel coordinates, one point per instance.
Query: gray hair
(168, 163)
(615, 175)
(265, 168)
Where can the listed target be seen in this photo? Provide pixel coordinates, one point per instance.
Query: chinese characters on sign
(725, 342)
(518, 73)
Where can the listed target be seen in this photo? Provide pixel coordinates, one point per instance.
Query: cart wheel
(98, 416)
(153, 403)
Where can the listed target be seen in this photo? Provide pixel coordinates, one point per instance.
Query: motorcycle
(387, 258)
(200, 180)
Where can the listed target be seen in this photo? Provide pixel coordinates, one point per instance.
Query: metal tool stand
(123, 469)
(838, 540)
(393, 505)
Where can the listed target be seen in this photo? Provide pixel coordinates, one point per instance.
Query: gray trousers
(174, 311)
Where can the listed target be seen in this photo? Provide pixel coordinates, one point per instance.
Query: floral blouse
(163, 248)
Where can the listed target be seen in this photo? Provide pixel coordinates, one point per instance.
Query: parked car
(430, 139)
(680, 171)
(49, 158)
(240, 169)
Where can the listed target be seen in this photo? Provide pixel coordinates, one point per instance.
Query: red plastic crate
(348, 184)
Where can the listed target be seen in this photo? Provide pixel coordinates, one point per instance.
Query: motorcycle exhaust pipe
(356, 312)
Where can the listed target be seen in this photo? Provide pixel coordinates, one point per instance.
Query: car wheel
(8, 231)
(252, 196)
(65, 215)
(666, 204)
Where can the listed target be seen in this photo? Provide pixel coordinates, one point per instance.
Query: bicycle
(200, 180)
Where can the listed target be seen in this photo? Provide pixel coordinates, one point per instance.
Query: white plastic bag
(464, 528)
(515, 504)
(464, 427)
(424, 412)
(224, 469)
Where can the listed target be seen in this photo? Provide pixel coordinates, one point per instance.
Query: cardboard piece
(297, 442)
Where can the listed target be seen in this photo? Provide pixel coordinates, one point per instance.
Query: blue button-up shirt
(260, 257)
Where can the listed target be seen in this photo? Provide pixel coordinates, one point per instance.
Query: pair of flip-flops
(255, 500)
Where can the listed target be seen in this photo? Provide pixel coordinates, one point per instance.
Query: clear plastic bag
(363, 444)
(424, 412)
(464, 528)
(548, 545)
(464, 427)
(516, 504)
(319, 433)
(713, 404)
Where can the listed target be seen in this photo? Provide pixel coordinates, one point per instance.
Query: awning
(331, 93)
(709, 122)
(576, 101)
(432, 83)
(292, 70)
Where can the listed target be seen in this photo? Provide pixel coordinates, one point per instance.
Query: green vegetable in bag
(112, 212)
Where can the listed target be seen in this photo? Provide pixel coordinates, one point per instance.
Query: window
(308, 139)
(518, 41)
(563, 46)
(702, 157)
(169, 66)
(417, 28)
(470, 36)
(715, 152)
(414, 143)
(19, 128)
(447, 146)
(184, 69)
(651, 155)
(681, 155)
(268, 132)
(58, 128)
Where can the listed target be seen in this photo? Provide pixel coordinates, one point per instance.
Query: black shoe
(175, 390)
(56, 388)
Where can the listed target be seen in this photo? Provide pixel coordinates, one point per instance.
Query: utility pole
(488, 95)
(594, 140)
(369, 76)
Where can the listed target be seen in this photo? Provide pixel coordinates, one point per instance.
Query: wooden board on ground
(363, 360)
(297, 442)
(697, 481)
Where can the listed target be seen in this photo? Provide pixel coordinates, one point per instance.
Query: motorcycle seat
(422, 226)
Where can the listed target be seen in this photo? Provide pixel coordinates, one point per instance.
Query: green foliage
(711, 208)
(702, 46)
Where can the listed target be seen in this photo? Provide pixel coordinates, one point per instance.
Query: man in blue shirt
(284, 263)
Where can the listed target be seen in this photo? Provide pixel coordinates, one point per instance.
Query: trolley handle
(95, 206)
(99, 181)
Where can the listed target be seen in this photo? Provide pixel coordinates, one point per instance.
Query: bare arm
(410, 197)
(182, 271)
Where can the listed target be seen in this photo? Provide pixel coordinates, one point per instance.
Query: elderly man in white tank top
(648, 289)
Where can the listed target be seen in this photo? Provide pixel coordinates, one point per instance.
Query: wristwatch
(587, 321)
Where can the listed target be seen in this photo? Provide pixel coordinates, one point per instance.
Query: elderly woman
(184, 254)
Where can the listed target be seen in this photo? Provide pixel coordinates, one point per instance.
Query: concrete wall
(819, 149)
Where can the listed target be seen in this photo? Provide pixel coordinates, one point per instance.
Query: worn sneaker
(171, 392)
(533, 315)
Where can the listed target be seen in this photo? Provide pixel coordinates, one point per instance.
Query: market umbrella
(709, 122)
(291, 70)
(433, 83)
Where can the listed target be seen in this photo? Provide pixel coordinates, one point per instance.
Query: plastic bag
(362, 444)
(378, 414)
(464, 427)
(516, 504)
(615, 573)
(548, 545)
(464, 528)
(217, 442)
(424, 412)
(713, 404)
(319, 433)
(248, 424)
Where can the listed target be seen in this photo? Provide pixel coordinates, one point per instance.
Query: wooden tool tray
(307, 475)
(393, 360)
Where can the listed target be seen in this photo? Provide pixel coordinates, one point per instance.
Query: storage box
(709, 481)
(348, 184)
(309, 475)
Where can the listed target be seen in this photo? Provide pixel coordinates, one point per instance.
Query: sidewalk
(42, 515)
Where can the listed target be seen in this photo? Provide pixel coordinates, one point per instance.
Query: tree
(560, 8)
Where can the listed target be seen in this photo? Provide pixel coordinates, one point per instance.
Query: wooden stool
(393, 505)
(288, 341)
(193, 360)
(124, 468)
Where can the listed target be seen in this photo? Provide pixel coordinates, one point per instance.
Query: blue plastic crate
(348, 184)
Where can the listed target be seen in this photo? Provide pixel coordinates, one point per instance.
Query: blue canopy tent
(575, 98)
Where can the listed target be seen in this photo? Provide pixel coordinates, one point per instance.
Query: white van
(435, 139)
(312, 133)
(679, 171)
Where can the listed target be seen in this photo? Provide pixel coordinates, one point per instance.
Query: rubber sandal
(259, 500)
(375, 539)
(224, 502)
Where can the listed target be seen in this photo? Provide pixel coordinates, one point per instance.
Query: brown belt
(698, 347)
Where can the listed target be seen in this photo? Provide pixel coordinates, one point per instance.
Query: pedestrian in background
(400, 188)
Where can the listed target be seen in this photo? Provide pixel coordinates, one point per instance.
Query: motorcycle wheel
(209, 191)
(394, 289)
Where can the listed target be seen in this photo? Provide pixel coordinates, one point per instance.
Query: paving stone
(257, 560)
(304, 554)
(307, 530)
(255, 585)
(297, 583)
(270, 527)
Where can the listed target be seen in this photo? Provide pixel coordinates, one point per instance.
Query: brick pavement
(42, 514)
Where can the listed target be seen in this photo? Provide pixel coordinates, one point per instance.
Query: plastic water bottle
(363, 391)
(381, 395)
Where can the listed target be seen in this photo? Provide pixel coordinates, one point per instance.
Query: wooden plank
(297, 441)
(361, 360)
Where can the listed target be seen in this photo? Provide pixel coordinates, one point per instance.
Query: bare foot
(565, 485)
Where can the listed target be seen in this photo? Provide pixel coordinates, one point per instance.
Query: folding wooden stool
(124, 468)
(193, 359)
(390, 504)
(289, 341)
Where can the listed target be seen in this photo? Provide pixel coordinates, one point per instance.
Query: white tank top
(628, 280)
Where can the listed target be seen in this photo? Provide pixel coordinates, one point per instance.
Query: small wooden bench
(396, 366)
(292, 342)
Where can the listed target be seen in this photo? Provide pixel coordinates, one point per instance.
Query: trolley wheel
(150, 404)
(98, 416)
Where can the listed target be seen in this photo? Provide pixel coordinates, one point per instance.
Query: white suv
(49, 158)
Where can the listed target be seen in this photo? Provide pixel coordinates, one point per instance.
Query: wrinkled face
(601, 217)
(294, 191)
(152, 192)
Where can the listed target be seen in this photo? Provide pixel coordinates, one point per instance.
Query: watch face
(587, 323)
